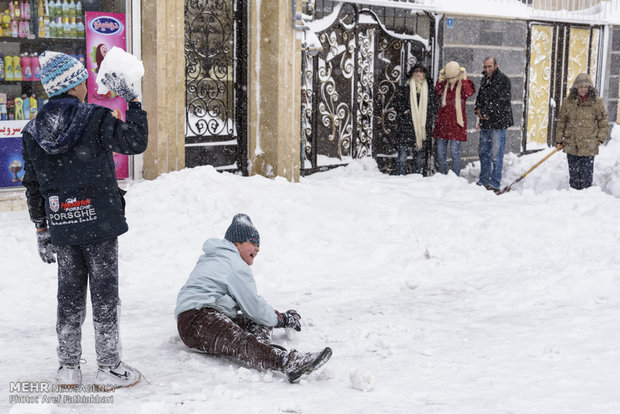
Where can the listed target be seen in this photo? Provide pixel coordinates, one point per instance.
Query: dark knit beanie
(241, 230)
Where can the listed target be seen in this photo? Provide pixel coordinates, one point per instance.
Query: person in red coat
(451, 123)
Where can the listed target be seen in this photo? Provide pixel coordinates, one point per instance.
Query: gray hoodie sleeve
(242, 287)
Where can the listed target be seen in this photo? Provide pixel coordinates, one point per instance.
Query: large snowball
(119, 61)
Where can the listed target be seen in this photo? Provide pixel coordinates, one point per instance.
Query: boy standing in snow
(74, 202)
(220, 312)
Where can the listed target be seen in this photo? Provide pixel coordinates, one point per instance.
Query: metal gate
(557, 53)
(348, 88)
(216, 84)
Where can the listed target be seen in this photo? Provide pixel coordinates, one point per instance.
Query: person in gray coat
(220, 312)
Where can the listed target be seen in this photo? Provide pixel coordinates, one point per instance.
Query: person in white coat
(220, 312)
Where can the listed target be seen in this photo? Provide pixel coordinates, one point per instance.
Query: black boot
(300, 363)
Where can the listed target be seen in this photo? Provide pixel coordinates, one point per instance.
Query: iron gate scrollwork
(348, 87)
(216, 85)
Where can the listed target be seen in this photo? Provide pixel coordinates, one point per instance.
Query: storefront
(85, 29)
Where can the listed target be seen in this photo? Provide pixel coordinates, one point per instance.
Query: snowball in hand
(119, 61)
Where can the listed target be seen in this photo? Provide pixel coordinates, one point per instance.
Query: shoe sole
(318, 363)
(110, 387)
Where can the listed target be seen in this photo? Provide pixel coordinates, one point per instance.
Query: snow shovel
(506, 189)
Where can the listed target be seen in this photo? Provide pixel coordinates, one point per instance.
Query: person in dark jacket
(494, 112)
(582, 127)
(416, 107)
(74, 201)
(219, 311)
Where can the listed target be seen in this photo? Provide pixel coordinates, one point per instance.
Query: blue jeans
(580, 170)
(491, 153)
(401, 160)
(442, 153)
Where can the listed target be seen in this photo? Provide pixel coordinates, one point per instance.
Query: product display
(30, 27)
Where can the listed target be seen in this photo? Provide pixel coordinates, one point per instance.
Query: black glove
(289, 319)
(117, 83)
(46, 248)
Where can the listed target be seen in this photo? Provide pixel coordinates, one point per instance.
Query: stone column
(163, 85)
(274, 82)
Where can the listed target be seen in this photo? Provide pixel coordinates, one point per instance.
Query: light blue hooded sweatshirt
(223, 281)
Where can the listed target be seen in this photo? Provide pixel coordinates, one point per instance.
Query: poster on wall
(11, 161)
(104, 31)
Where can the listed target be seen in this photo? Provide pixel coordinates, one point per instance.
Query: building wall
(613, 90)
(274, 97)
(469, 41)
(163, 85)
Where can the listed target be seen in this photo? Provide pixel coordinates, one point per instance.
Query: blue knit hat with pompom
(60, 72)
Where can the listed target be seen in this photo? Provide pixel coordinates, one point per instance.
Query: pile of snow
(436, 295)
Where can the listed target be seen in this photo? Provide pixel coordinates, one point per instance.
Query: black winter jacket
(70, 176)
(493, 101)
(404, 134)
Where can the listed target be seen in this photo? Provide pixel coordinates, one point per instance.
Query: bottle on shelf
(36, 67)
(14, 28)
(53, 28)
(17, 68)
(10, 108)
(19, 109)
(60, 30)
(51, 9)
(41, 28)
(6, 22)
(26, 9)
(78, 9)
(26, 64)
(40, 8)
(26, 106)
(33, 107)
(46, 23)
(73, 28)
(80, 57)
(11, 10)
(81, 31)
(65, 8)
(24, 28)
(72, 9)
(3, 112)
(1, 66)
(66, 27)
(8, 68)
(17, 10)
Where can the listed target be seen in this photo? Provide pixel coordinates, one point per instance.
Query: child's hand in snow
(116, 82)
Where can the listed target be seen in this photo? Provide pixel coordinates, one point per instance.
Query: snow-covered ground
(436, 295)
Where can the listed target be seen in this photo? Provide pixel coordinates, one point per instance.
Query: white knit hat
(60, 72)
(452, 69)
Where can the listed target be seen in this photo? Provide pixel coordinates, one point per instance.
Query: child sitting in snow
(220, 312)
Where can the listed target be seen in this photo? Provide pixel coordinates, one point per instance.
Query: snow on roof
(593, 11)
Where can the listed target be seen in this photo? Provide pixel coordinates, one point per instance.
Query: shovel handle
(506, 189)
(539, 162)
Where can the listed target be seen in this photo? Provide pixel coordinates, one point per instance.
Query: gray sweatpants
(208, 330)
(79, 265)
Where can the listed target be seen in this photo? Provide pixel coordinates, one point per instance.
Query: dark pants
(580, 170)
(97, 264)
(208, 330)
